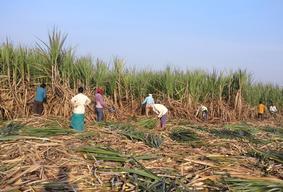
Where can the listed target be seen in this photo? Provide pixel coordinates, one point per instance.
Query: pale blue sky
(187, 34)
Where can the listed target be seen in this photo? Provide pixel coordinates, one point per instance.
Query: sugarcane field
(71, 123)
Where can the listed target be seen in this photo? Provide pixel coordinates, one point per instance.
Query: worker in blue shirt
(149, 101)
(40, 98)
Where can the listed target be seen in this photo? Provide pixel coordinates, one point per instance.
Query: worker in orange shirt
(261, 110)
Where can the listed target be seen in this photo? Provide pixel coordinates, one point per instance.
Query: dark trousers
(99, 114)
(260, 116)
(2, 114)
(38, 107)
(205, 115)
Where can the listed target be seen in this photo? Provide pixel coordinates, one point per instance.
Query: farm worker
(261, 110)
(79, 102)
(149, 101)
(203, 111)
(272, 109)
(161, 110)
(40, 98)
(99, 104)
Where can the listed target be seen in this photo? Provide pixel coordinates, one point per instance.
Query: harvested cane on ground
(11, 128)
(183, 135)
(150, 139)
(148, 123)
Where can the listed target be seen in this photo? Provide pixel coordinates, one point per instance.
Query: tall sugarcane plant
(53, 54)
(53, 62)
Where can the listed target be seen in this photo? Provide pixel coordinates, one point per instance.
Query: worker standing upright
(261, 110)
(99, 104)
(79, 102)
(40, 98)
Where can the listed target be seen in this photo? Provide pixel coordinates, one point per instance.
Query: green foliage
(11, 128)
(13, 131)
(58, 186)
(269, 155)
(45, 131)
(183, 135)
(158, 185)
(108, 154)
(255, 185)
(236, 131)
(150, 139)
(274, 130)
(148, 123)
(52, 61)
(87, 135)
(231, 134)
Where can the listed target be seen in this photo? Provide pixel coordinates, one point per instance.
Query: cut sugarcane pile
(12, 128)
(148, 123)
(150, 139)
(255, 184)
(183, 135)
(103, 159)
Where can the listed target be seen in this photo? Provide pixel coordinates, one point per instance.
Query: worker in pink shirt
(99, 104)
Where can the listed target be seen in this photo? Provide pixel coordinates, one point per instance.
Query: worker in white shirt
(79, 102)
(273, 110)
(203, 111)
(161, 110)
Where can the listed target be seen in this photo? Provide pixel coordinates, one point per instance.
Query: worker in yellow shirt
(261, 110)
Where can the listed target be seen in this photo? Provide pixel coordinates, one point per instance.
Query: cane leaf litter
(45, 154)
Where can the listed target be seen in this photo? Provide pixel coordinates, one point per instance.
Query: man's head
(150, 95)
(99, 90)
(80, 89)
(43, 85)
(271, 104)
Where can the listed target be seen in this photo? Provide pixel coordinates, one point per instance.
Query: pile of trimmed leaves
(142, 178)
(259, 185)
(274, 130)
(148, 123)
(158, 186)
(58, 186)
(234, 132)
(11, 128)
(45, 131)
(108, 154)
(85, 136)
(183, 135)
(270, 155)
(150, 139)
(230, 134)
